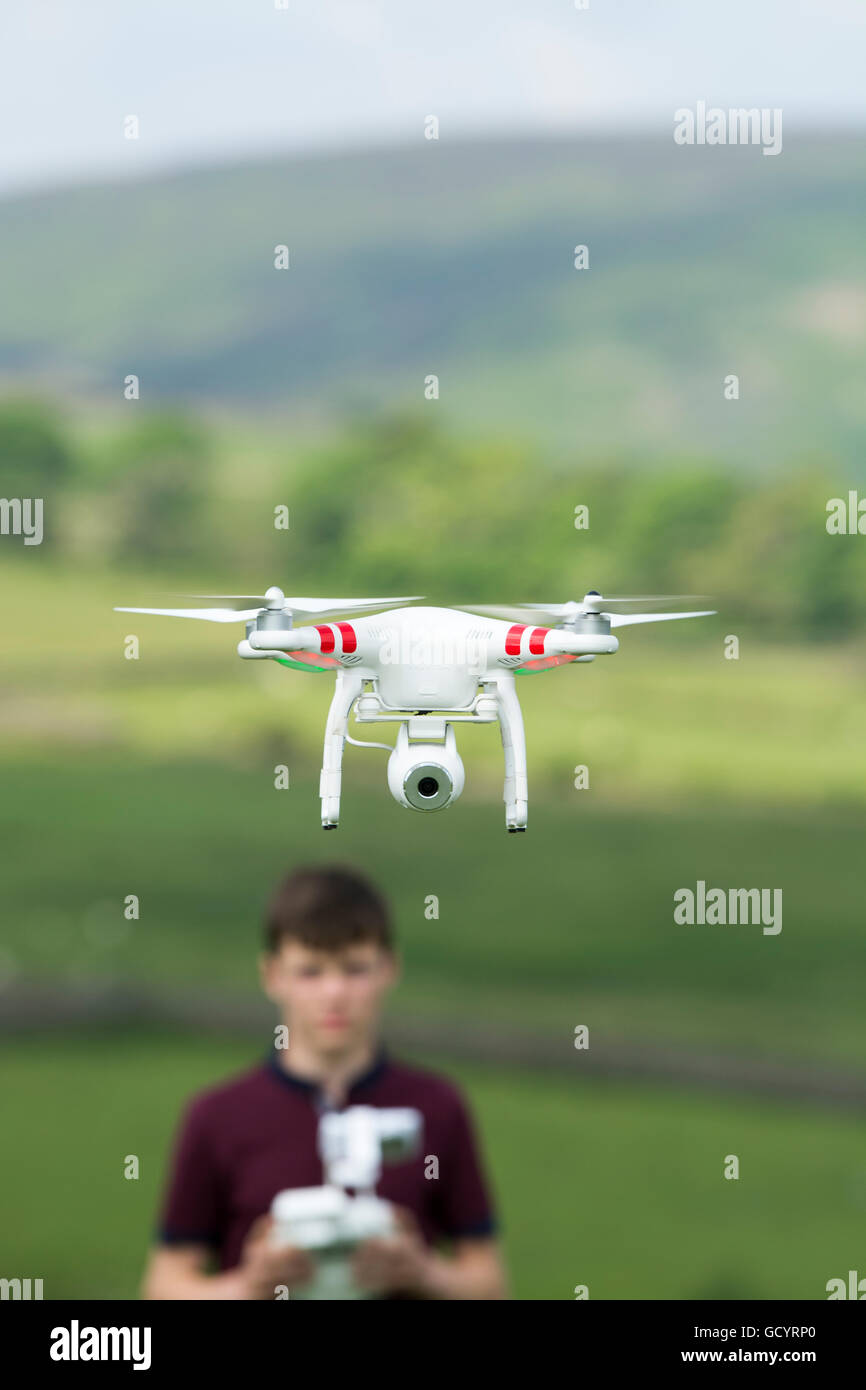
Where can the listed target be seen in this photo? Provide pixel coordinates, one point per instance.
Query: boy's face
(330, 999)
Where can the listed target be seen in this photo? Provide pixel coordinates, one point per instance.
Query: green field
(570, 923)
(616, 1188)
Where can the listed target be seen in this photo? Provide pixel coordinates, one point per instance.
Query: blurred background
(305, 388)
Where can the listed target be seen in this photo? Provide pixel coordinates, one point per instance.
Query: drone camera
(425, 776)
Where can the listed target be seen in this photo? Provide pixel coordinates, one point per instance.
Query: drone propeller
(593, 602)
(551, 614)
(242, 608)
(593, 605)
(629, 619)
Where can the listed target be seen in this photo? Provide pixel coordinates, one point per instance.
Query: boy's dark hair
(327, 908)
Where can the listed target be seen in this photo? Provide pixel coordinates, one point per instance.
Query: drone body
(425, 669)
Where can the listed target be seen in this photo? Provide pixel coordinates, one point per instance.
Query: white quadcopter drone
(425, 669)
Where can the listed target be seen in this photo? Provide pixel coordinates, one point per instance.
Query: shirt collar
(304, 1086)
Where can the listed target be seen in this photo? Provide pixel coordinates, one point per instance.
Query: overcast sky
(210, 79)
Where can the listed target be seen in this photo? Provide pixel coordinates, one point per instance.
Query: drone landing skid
(516, 792)
(348, 688)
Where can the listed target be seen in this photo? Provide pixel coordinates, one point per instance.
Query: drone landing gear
(348, 688)
(516, 792)
(498, 700)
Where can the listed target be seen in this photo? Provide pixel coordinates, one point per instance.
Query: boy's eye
(311, 972)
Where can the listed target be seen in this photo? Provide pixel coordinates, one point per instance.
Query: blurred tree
(35, 455)
(160, 468)
(786, 571)
(401, 504)
(672, 520)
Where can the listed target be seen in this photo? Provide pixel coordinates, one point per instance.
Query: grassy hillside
(457, 260)
(571, 923)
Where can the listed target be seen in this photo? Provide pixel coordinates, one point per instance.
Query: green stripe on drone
(299, 665)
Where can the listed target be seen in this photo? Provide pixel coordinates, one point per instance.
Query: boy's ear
(265, 964)
(396, 966)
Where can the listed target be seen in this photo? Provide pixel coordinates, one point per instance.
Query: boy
(329, 962)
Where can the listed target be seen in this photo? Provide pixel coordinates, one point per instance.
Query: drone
(327, 1221)
(425, 669)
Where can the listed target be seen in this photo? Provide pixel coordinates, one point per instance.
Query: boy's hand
(264, 1266)
(399, 1263)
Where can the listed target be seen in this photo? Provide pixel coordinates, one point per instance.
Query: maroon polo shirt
(243, 1141)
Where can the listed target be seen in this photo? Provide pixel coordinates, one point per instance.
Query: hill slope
(457, 260)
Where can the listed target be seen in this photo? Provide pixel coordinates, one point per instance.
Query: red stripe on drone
(347, 632)
(536, 640)
(512, 639)
(326, 635)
